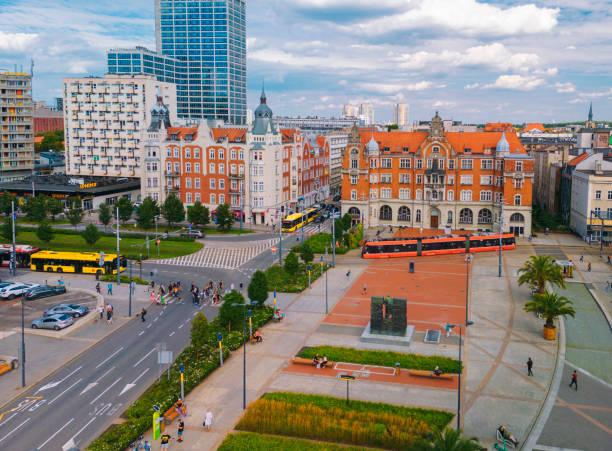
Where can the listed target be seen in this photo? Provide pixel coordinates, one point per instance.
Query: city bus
(76, 262)
(436, 245)
(295, 221)
(22, 254)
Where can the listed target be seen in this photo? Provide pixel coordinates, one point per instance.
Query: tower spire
(591, 112)
(263, 92)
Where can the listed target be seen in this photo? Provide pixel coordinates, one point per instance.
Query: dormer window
(406, 149)
(174, 137)
(467, 151)
(386, 149)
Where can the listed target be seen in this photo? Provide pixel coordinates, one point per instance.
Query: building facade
(438, 179)
(591, 200)
(400, 115)
(316, 125)
(105, 119)
(336, 142)
(48, 120)
(17, 137)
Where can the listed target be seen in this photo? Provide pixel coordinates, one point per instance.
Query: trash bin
(411, 268)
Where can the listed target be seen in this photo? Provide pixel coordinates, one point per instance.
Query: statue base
(398, 340)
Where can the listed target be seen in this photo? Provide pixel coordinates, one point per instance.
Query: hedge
(383, 358)
(124, 279)
(279, 280)
(141, 236)
(167, 391)
(249, 441)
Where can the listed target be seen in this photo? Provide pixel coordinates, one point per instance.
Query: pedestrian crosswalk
(223, 255)
(311, 229)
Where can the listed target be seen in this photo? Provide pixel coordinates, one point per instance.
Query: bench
(430, 374)
(171, 413)
(303, 361)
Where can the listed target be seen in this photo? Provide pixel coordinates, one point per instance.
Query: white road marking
(133, 384)
(149, 326)
(100, 395)
(141, 332)
(89, 387)
(109, 357)
(8, 419)
(181, 326)
(56, 432)
(55, 399)
(195, 313)
(14, 430)
(105, 373)
(156, 319)
(56, 383)
(71, 441)
(144, 357)
(172, 333)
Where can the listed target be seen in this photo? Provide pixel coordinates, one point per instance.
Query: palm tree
(550, 305)
(451, 440)
(541, 269)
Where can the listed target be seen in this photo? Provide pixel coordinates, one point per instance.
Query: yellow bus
(76, 262)
(310, 214)
(295, 221)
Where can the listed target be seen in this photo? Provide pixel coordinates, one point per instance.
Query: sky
(472, 60)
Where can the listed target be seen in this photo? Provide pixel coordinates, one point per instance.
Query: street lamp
(325, 283)
(468, 260)
(244, 306)
(451, 326)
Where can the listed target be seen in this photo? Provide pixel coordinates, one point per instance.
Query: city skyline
(536, 61)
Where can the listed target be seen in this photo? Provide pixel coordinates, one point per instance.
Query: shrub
(230, 315)
(291, 264)
(124, 279)
(249, 441)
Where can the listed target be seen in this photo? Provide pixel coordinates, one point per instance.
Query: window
(419, 164)
(429, 163)
(221, 168)
(385, 163)
(598, 195)
(486, 179)
(222, 199)
(466, 216)
(221, 156)
(354, 179)
(385, 178)
(498, 197)
(609, 195)
(419, 179)
(188, 182)
(213, 199)
(517, 199)
(467, 164)
(189, 198)
(354, 163)
(499, 165)
(197, 197)
(373, 163)
(403, 214)
(451, 179)
(233, 154)
(241, 154)
(450, 216)
(404, 178)
(404, 193)
(196, 153)
(518, 166)
(187, 167)
(176, 153)
(197, 183)
(221, 184)
(187, 153)
(597, 212)
(385, 193)
(419, 195)
(440, 164)
(436, 149)
(485, 216)
(373, 178)
(211, 168)
(211, 154)
(517, 217)
(213, 184)
(405, 163)
(486, 164)
(466, 195)
(354, 194)
(450, 195)
(373, 193)
(418, 216)
(466, 179)
(485, 196)
(609, 215)
(386, 214)
(451, 164)
(518, 183)
(499, 180)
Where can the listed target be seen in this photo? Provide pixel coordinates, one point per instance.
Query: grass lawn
(383, 358)
(333, 420)
(76, 243)
(248, 441)
(216, 231)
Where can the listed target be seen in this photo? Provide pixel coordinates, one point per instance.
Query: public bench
(430, 374)
(172, 413)
(303, 361)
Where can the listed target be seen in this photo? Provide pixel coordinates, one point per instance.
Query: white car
(15, 289)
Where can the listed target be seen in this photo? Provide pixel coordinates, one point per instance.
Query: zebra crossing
(311, 229)
(222, 255)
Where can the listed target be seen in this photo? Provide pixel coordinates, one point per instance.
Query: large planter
(550, 333)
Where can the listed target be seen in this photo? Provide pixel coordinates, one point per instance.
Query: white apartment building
(337, 142)
(400, 115)
(105, 121)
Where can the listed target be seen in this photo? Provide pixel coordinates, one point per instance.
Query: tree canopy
(126, 208)
(75, 216)
(173, 209)
(146, 213)
(550, 305)
(5, 203)
(230, 315)
(198, 215)
(54, 206)
(258, 288)
(44, 232)
(199, 332)
(91, 234)
(540, 269)
(104, 214)
(291, 264)
(7, 229)
(225, 218)
(36, 208)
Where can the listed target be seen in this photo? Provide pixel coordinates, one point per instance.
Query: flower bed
(166, 392)
(332, 419)
(249, 441)
(383, 358)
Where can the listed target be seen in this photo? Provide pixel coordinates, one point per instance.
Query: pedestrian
(147, 447)
(101, 312)
(448, 330)
(143, 312)
(529, 366)
(98, 288)
(589, 267)
(365, 289)
(581, 258)
(232, 287)
(109, 289)
(241, 285)
(574, 381)
(165, 440)
(348, 274)
(181, 428)
(609, 262)
(109, 317)
(208, 419)
(608, 286)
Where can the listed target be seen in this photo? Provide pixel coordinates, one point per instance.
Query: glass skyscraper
(201, 46)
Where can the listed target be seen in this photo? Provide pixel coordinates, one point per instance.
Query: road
(81, 400)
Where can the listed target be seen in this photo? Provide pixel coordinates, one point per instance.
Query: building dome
(263, 122)
(263, 110)
(160, 115)
(372, 145)
(503, 146)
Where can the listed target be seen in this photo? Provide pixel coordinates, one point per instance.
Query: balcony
(171, 174)
(236, 176)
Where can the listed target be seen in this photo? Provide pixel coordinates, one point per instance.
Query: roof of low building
(534, 126)
(578, 159)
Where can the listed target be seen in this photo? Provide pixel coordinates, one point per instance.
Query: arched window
(418, 216)
(517, 217)
(354, 213)
(517, 199)
(386, 214)
(450, 217)
(485, 216)
(466, 216)
(403, 214)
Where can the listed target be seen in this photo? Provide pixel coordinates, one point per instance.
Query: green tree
(54, 206)
(75, 216)
(198, 215)
(199, 333)
(145, 215)
(126, 208)
(51, 141)
(550, 305)
(5, 203)
(338, 229)
(451, 440)
(91, 234)
(225, 218)
(44, 232)
(291, 264)
(258, 288)
(7, 229)
(229, 315)
(392, 127)
(541, 269)
(173, 209)
(36, 208)
(306, 253)
(347, 221)
(105, 215)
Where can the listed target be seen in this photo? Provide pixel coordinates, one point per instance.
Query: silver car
(55, 322)
(73, 310)
(15, 289)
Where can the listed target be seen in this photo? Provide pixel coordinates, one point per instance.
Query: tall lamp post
(452, 326)
(501, 232)
(117, 260)
(326, 308)
(468, 260)
(244, 306)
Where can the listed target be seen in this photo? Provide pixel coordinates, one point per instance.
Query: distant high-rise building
(350, 111)
(400, 115)
(59, 103)
(367, 111)
(201, 47)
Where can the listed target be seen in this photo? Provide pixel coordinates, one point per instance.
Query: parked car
(15, 289)
(72, 310)
(8, 363)
(55, 322)
(44, 291)
(193, 233)
(337, 198)
(319, 219)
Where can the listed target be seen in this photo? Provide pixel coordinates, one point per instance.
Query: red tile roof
(182, 132)
(578, 159)
(534, 126)
(499, 127)
(233, 134)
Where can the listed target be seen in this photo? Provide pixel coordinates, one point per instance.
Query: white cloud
(551, 72)
(467, 17)
(575, 101)
(516, 82)
(565, 87)
(570, 47)
(443, 103)
(390, 89)
(16, 42)
(343, 82)
(305, 45)
(472, 86)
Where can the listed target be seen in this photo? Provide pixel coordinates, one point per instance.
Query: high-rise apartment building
(350, 111)
(201, 47)
(400, 115)
(366, 110)
(17, 135)
(106, 119)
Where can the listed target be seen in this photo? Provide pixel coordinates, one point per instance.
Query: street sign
(346, 377)
(273, 249)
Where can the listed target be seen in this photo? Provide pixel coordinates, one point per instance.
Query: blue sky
(475, 61)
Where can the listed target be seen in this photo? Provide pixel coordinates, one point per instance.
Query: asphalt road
(80, 401)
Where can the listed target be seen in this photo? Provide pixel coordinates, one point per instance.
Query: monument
(388, 322)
